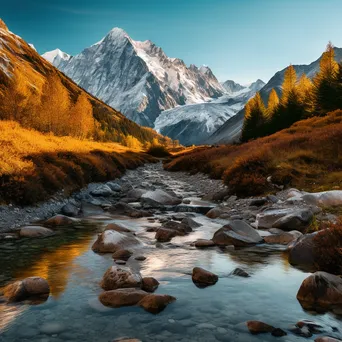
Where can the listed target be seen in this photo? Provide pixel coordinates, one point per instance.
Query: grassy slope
(308, 155)
(33, 165)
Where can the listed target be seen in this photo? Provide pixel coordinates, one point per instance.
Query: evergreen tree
(272, 104)
(289, 84)
(306, 94)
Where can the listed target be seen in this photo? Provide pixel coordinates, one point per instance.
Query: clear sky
(239, 39)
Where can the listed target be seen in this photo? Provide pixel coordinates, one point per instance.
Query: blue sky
(239, 39)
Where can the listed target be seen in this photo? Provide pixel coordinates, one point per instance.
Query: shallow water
(217, 313)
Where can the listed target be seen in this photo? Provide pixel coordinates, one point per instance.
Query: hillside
(37, 95)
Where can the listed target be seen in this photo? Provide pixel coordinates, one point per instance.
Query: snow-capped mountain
(56, 57)
(193, 124)
(137, 77)
(231, 87)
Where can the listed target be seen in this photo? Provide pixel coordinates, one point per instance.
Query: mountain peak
(117, 33)
(3, 26)
(56, 56)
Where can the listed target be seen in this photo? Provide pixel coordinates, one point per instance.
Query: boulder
(149, 284)
(140, 258)
(283, 238)
(239, 272)
(111, 241)
(214, 213)
(122, 254)
(321, 291)
(102, 191)
(326, 339)
(286, 219)
(323, 199)
(301, 251)
(118, 228)
(114, 186)
(27, 288)
(60, 220)
(158, 198)
(122, 297)
(237, 233)
(125, 209)
(258, 202)
(257, 327)
(155, 303)
(35, 232)
(118, 277)
(70, 210)
(203, 277)
(191, 223)
(202, 243)
(277, 332)
(181, 228)
(165, 235)
(135, 194)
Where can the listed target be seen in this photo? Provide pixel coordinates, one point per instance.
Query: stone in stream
(257, 327)
(202, 277)
(237, 233)
(314, 327)
(149, 284)
(70, 210)
(125, 209)
(203, 243)
(122, 254)
(165, 235)
(277, 332)
(111, 241)
(117, 277)
(27, 288)
(240, 273)
(122, 297)
(158, 198)
(258, 202)
(321, 291)
(118, 228)
(191, 223)
(215, 213)
(181, 228)
(283, 238)
(102, 191)
(327, 339)
(114, 186)
(134, 195)
(35, 232)
(60, 220)
(140, 258)
(155, 303)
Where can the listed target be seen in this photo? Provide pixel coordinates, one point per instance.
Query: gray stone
(35, 232)
(114, 186)
(158, 198)
(102, 191)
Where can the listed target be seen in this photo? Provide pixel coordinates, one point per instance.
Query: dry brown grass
(33, 165)
(308, 155)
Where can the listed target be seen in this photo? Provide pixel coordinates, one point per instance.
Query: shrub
(158, 151)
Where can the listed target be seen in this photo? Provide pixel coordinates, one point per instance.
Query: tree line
(301, 98)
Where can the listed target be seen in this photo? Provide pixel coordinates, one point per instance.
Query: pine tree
(272, 104)
(289, 84)
(306, 94)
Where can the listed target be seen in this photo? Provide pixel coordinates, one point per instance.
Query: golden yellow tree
(272, 104)
(289, 84)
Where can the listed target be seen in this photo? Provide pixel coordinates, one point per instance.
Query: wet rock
(122, 297)
(322, 199)
(181, 228)
(140, 258)
(35, 232)
(122, 254)
(301, 251)
(272, 198)
(165, 235)
(276, 231)
(27, 288)
(203, 277)
(149, 284)
(257, 327)
(277, 332)
(155, 303)
(114, 186)
(102, 191)
(202, 243)
(303, 332)
(191, 223)
(186, 201)
(286, 219)
(70, 210)
(327, 339)
(314, 327)
(60, 220)
(158, 198)
(135, 194)
(111, 241)
(258, 202)
(237, 233)
(117, 277)
(178, 217)
(240, 273)
(214, 213)
(118, 228)
(283, 238)
(121, 208)
(120, 262)
(321, 291)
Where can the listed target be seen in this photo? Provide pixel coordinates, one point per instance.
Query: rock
(70, 210)
(186, 201)
(111, 241)
(121, 208)
(203, 277)
(118, 228)
(240, 273)
(321, 291)
(277, 332)
(301, 251)
(178, 217)
(35, 232)
(135, 194)
(272, 199)
(165, 235)
(27, 288)
(191, 223)
(276, 231)
(102, 191)
(237, 233)
(286, 219)
(326, 339)
(122, 297)
(155, 303)
(120, 262)
(114, 186)
(60, 220)
(283, 238)
(140, 258)
(149, 284)
(158, 198)
(323, 199)
(315, 328)
(257, 327)
(214, 213)
(202, 243)
(117, 277)
(304, 331)
(122, 254)
(181, 228)
(258, 202)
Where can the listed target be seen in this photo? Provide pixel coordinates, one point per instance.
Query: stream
(215, 313)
